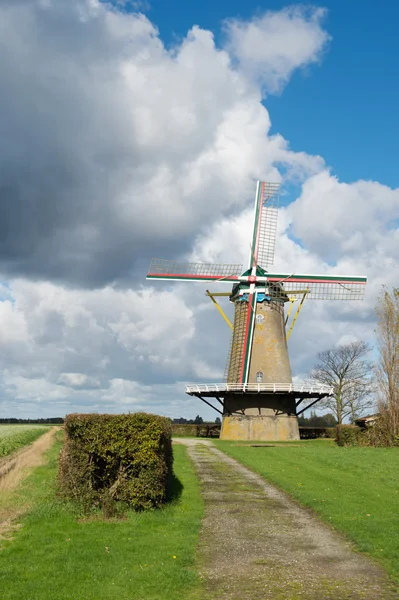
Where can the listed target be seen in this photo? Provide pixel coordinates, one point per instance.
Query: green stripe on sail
(316, 278)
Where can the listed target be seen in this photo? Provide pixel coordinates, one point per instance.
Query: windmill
(259, 401)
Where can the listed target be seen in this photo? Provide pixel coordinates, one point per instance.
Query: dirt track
(13, 470)
(258, 544)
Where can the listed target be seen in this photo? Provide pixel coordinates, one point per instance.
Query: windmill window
(260, 318)
(259, 377)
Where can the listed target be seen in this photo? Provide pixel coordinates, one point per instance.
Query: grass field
(354, 489)
(13, 437)
(147, 556)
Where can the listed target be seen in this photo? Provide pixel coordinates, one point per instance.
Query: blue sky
(346, 109)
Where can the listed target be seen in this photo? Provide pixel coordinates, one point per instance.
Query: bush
(331, 432)
(110, 458)
(385, 431)
(312, 433)
(351, 435)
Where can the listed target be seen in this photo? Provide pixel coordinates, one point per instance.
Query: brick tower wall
(269, 349)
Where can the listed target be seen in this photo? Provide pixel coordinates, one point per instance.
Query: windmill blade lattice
(317, 287)
(248, 338)
(228, 360)
(265, 224)
(241, 343)
(169, 269)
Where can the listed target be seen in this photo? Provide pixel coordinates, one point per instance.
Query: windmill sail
(248, 338)
(228, 360)
(169, 269)
(241, 346)
(265, 224)
(317, 287)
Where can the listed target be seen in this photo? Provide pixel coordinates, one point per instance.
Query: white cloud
(112, 143)
(115, 148)
(66, 328)
(78, 380)
(353, 227)
(350, 220)
(272, 46)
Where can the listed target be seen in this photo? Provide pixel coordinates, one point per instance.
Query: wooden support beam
(292, 300)
(308, 406)
(211, 296)
(209, 404)
(296, 315)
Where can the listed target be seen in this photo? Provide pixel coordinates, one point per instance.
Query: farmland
(14, 437)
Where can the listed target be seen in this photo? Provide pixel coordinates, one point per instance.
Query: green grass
(13, 437)
(354, 489)
(147, 556)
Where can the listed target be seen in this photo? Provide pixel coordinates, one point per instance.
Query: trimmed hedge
(108, 458)
(191, 430)
(351, 435)
(309, 433)
(208, 430)
(184, 429)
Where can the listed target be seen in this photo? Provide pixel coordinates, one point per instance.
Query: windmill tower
(259, 400)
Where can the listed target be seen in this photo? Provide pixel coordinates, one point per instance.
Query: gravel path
(258, 544)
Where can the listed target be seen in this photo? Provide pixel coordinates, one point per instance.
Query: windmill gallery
(258, 399)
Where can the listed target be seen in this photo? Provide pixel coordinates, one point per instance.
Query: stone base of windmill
(271, 419)
(263, 428)
(260, 412)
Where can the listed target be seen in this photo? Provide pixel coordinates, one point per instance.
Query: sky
(135, 130)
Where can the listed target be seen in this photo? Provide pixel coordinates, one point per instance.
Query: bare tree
(350, 374)
(387, 430)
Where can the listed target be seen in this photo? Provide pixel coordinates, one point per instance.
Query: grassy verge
(354, 489)
(14, 437)
(147, 556)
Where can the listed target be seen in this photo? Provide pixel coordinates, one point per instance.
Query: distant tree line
(197, 421)
(315, 420)
(48, 421)
(181, 421)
